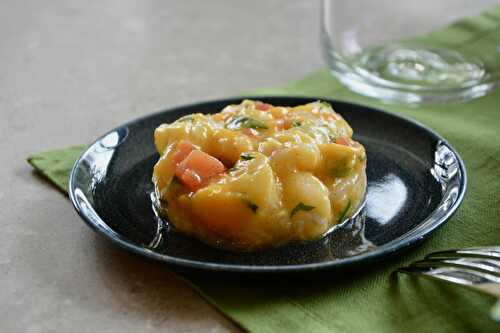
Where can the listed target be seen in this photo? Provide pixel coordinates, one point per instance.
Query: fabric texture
(375, 299)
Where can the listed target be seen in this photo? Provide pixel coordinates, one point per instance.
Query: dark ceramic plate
(416, 181)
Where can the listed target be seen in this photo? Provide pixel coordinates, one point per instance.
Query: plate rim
(386, 250)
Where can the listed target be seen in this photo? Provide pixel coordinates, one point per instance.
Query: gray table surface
(71, 70)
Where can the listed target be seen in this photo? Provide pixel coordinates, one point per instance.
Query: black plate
(416, 181)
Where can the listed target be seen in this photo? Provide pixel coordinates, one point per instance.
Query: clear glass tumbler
(405, 51)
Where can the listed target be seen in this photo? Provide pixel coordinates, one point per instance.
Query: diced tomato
(184, 147)
(197, 168)
(342, 141)
(191, 179)
(262, 106)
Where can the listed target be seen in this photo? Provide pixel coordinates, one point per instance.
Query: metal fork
(477, 268)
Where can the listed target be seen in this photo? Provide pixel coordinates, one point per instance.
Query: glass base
(413, 74)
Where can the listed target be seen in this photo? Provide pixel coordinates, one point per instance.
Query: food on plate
(256, 175)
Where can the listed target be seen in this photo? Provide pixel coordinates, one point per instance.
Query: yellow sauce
(292, 174)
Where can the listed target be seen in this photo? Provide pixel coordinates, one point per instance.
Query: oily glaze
(272, 174)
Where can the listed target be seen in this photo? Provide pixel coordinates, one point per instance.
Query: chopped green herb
(239, 122)
(344, 212)
(250, 205)
(362, 157)
(296, 123)
(301, 206)
(325, 104)
(247, 156)
(185, 118)
(332, 138)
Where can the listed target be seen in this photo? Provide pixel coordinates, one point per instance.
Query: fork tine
(479, 281)
(487, 266)
(487, 252)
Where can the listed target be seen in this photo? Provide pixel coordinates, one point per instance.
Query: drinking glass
(395, 50)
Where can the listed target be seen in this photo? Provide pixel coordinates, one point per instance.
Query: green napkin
(375, 300)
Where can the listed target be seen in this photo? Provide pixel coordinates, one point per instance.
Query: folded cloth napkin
(375, 300)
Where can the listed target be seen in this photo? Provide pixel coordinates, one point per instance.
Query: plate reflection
(386, 198)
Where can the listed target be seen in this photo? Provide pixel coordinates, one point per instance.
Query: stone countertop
(70, 71)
